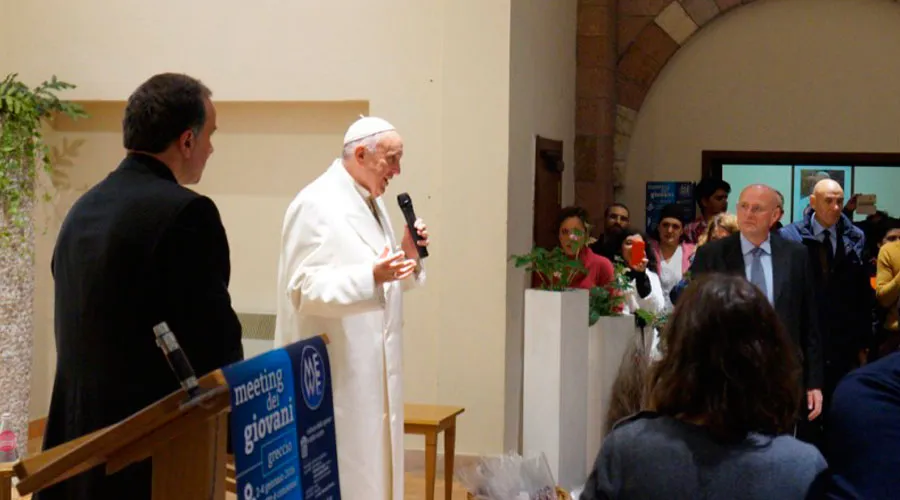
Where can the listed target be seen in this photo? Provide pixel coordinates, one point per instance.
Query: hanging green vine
(23, 152)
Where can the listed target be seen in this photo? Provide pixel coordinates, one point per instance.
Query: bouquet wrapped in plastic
(509, 477)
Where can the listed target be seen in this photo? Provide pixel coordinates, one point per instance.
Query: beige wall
(5, 45)
(542, 102)
(287, 81)
(422, 74)
(805, 75)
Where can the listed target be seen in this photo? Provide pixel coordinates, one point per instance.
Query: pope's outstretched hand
(392, 266)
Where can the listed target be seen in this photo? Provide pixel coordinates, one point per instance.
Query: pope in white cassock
(341, 272)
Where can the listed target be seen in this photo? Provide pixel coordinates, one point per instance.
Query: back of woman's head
(729, 363)
(627, 392)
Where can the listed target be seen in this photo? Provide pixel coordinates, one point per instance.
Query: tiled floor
(415, 489)
(414, 485)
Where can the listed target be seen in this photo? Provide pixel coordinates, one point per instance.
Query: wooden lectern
(186, 441)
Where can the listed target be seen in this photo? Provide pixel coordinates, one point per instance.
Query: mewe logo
(313, 383)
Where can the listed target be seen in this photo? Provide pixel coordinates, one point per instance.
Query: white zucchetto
(366, 126)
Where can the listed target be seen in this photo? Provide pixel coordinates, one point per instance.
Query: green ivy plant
(23, 152)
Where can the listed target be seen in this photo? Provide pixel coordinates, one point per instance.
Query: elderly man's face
(828, 201)
(757, 211)
(382, 164)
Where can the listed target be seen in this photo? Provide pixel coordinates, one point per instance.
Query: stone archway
(622, 45)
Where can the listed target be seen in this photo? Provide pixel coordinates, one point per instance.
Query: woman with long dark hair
(645, 291)
(723, 401)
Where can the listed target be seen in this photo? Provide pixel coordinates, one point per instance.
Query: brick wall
(622, 46)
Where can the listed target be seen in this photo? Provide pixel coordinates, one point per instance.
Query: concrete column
(16, 324)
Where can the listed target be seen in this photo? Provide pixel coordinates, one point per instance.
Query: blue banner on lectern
(282, 424)
(315, 420)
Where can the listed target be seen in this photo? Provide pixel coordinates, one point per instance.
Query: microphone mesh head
(161, 329)
(403, 199)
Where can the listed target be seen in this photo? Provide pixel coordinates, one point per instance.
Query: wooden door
(548, 160)
(548, 163)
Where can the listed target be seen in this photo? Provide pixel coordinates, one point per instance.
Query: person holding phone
(645, 290)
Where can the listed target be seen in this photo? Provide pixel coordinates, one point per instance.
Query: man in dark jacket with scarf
(843, 293)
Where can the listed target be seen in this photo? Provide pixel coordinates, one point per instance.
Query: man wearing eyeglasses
(781, 270)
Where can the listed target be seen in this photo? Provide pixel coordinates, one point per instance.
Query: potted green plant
(23, 155)
(554, 268)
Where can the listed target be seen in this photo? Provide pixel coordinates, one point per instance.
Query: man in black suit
(782, 270)
(844, 296)
(138, 249)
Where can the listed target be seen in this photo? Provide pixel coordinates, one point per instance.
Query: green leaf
(23, 152)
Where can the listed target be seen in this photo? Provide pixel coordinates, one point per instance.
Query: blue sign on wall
(282, 424)
(660, 194)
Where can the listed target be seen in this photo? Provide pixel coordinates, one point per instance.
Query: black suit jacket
(135, 250)
(794, 295)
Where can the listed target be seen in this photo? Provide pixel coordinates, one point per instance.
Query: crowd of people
(777, 375)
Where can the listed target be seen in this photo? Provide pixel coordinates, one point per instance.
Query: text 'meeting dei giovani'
(271, 385)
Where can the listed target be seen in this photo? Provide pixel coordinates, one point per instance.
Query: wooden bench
(426, 420)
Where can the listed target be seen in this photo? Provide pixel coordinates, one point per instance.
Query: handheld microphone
(406, 207)
(178, 361)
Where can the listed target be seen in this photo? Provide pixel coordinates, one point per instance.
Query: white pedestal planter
(608, 340)
(554, 409)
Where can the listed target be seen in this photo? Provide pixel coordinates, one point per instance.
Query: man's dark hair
(708, 187)
(672, 211)
(161, 109)
(742, 382)
(877, 231)
(615, 205)
(891, 223)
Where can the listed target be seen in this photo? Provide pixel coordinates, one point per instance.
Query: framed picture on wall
(806, 177)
